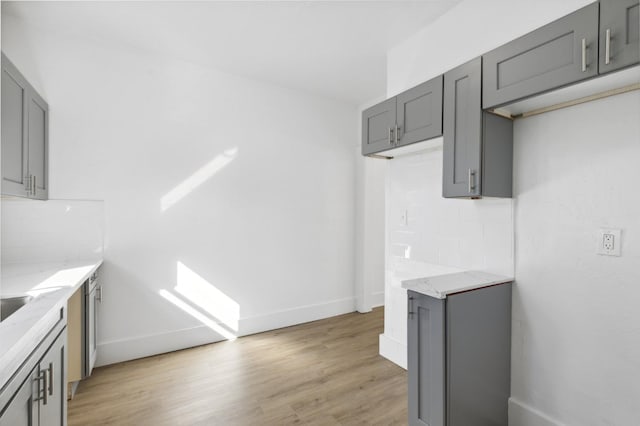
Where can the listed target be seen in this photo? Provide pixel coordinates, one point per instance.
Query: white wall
(576, 335)
(229, 203)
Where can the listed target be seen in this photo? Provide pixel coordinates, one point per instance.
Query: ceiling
(335, 49)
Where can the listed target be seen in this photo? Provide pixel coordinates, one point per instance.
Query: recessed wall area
(206, 177)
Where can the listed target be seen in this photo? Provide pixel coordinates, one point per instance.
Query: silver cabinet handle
(390, 135)
(99, 296)
(410, 307)
(34, 188)
(607, 47)
(51, 385)
(27, 183)
(397, 132)
(472, 181)
(42, 377)
(584, 55)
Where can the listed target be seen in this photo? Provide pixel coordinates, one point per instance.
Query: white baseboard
(154, 344)
(377, 299)
(520, 414)
(393, 350)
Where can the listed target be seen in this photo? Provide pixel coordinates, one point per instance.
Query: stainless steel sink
(11, 304)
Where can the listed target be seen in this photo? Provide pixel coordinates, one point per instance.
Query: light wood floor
(326, 372)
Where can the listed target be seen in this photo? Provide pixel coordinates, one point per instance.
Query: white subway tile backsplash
(51, 231)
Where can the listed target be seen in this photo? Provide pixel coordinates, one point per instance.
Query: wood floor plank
(323, 373)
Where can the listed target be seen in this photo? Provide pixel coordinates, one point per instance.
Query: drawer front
(419, 114)
(556, 55)
(619, 34)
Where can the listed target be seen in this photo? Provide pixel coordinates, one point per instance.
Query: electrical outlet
(609, 242)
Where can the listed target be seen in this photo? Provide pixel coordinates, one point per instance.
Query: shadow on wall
(199, 177)
(203, 301)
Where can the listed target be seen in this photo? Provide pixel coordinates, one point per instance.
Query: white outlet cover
(617, 242)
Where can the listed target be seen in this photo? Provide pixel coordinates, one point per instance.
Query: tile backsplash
(51, 231)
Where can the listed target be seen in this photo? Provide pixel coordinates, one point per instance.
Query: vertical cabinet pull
(42, 391)
(472, 181)
(51, 385)
(99, 294)
(584, 55)
(390, 135)
(410, 307)
(607, 47)
(34, 185)
(397, 133)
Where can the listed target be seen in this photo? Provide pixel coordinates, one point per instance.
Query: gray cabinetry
(478, 146)
(419, 113)
(555, 55)
(25, 138)
(36, 394)
(413, 116)
(378, 124)
(459, 358)
(23, 409)
(619, 34)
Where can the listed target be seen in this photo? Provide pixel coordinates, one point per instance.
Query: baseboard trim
(143, 346)
(393, 350)
(521, 414)
(377, 299)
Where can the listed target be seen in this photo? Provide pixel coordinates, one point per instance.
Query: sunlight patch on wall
(200, 176)
(213, 325)
(207, 297)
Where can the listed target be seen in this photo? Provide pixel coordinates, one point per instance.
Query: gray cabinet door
(419, 112)
(23, 408)
(38, 136)
(15, 174)
(619, 34)
(462, 131)
(426, 360)
(53, 365)
(558, 54)
(378, 123)
(478, 329)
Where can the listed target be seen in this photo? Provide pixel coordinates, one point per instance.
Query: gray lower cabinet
(25, 136)
(555, 55)
(478, 145)
(619, 34)
(413, 116)
(36, 395)
(459, 358)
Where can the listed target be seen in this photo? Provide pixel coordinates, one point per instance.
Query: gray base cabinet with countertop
(36, 394)
(459, 353)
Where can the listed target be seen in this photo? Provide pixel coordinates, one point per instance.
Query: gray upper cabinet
(419, 113)
(38, 145)
(555, 55)
(378, 124)
(25, 136)
(15, 175)
(619, 34)
(459, 358)
(413, 116)
(478, 146)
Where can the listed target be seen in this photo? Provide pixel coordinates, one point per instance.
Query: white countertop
(442, 285)
(51, 285)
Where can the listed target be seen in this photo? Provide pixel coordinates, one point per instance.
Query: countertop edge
(37, 329)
